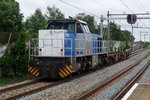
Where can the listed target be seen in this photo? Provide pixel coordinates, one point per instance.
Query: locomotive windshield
(62, 25)
(70, 25)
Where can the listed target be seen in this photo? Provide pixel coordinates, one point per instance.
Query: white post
(101, 27)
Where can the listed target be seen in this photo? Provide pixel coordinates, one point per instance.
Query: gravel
(77, 86)
(110, 91)
(146, 77)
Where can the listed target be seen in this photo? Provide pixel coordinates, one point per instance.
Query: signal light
(131, 18)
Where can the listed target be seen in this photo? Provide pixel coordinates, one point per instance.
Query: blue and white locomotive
(65, 47)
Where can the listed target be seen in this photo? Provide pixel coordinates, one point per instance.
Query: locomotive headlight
(61, 51)
(40, 51)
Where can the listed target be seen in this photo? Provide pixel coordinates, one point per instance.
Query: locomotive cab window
(82, 28)
(79, 28)
(59, 25)
(71, 27)
(86, 29)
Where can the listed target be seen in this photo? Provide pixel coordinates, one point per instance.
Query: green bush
(6, 65)
(15, 60)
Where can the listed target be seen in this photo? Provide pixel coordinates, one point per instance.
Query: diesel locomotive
(68, 46)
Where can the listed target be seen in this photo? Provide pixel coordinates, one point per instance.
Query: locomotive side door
(88, 39)
(83, 40)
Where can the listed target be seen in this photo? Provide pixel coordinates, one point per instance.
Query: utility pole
(101, 28)
(140, 39)
(140, 36)
(132, 41)
(108, 31)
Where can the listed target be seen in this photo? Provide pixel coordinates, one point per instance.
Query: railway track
(22, 90)
(17, 86)
(16, 92)
(121, 93)
(25, 89)
(136, 52)
(106, 83)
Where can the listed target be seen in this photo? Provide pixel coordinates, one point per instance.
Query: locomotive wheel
(79, 71)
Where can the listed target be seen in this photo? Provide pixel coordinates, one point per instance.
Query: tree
(89, 20)
(115, 32)
(127, 36)
(35, 22)
(144, 44)
(53, 13)
(120, 35)
(19, 55)
(10, 16)
(15, 62)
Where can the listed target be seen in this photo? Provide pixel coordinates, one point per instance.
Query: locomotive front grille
(65, 71)
(34, 71)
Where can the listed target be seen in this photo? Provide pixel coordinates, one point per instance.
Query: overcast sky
(95, 8)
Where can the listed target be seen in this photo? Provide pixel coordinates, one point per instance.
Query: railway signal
(131, 18)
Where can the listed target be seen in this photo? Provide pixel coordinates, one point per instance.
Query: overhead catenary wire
(102, 4)
(136, 4)
(132, 11)
(140, 8)
(92, 13)
(143, 23)
(140, 4)
(106, 5)
(126, 6)
(79, 8)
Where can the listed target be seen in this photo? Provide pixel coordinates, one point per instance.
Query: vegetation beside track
(10, 79)
(5, 80)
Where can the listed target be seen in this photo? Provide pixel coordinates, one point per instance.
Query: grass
(6, 80)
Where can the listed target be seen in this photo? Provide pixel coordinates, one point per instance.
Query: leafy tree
(127, 36)
(53, 13)
(10, 16)
(19, 55)
(15, 58)
(145, 44)
(4, 36)
(89, 20)
(36, 22)
(115, 32)
(15, 61)
(120, 35)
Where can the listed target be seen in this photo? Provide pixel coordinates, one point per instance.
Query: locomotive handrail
(35, 49)
(79, 47)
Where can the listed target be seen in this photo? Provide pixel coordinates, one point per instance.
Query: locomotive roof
(67, 21)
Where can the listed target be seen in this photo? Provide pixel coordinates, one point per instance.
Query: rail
(121, 93)
(107, 82)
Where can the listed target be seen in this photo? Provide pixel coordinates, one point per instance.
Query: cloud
(94, 7)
